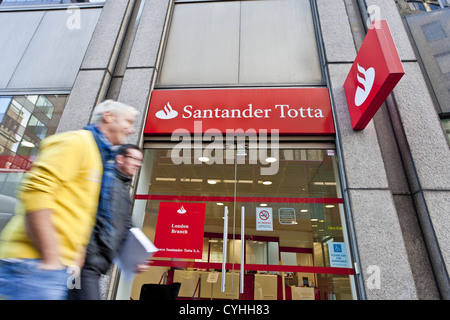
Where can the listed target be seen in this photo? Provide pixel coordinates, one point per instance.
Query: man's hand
(42, 234)
(51, 265)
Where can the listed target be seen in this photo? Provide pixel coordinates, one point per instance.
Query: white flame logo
(182, 210)
(166, 113)
(367, 84)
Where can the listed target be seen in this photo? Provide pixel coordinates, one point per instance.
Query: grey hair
(112, 106)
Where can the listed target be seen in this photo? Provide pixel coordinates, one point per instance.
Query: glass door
(276, 236)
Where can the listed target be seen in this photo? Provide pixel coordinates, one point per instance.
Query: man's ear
(107, 117)
(119, 159)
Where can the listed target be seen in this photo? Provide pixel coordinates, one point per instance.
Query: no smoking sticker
(264, 215)
(264, 221)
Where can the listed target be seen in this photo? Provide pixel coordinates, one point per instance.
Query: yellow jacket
(66, 177)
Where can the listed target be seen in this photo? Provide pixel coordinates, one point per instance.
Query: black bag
(160, 292)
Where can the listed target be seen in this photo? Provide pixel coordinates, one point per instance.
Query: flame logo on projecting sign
(366, 82)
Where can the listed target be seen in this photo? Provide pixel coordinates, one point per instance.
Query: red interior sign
(373, 76)
(179, 230)
(290, 110)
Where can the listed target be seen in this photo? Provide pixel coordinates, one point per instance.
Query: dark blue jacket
(102, 250)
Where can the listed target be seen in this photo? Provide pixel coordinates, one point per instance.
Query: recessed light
(219, 203)
(329, 206)
(211, 181)
(267, 183)
(165, 179)
(263, 204)
(203, 159)
(271, 159)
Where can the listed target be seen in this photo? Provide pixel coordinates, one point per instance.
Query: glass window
(203, 44)
(58, 48)
(300, 251)
(5, 3)
(45, 106)
(446, 126)
(4, 104)
(24, 122)
(242, 43)
(56, 39)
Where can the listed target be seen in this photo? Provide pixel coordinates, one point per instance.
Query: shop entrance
(277, 236)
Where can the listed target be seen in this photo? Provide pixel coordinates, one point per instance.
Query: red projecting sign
(373, 76)
(179, 230)
(289, 110)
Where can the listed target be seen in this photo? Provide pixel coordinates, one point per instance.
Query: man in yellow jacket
(59, 200)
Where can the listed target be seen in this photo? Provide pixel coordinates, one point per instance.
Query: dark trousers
(90, 286)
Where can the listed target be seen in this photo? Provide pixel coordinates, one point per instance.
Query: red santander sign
(374, 74)
(179, 230)
(292, 111)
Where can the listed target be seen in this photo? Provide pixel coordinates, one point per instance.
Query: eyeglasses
(134, 158)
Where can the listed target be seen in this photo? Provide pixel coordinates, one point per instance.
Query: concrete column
(379, 239)
(142, 66)
(425, 154)
(94, 80)
(94, 77)
(136, 80)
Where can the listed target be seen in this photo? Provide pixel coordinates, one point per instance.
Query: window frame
(164, 44)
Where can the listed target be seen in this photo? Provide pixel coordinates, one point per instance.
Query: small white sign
(287, 216)
(264, 219)
(338, 254)
(212, 277)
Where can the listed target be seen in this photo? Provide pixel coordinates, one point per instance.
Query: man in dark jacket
(104, 246)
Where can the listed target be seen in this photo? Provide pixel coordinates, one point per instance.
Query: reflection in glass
(24, 122)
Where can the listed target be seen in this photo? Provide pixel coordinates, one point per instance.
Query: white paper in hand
(136, 250)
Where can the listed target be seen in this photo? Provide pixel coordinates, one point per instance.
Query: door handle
(224, 246)
(242, 249)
